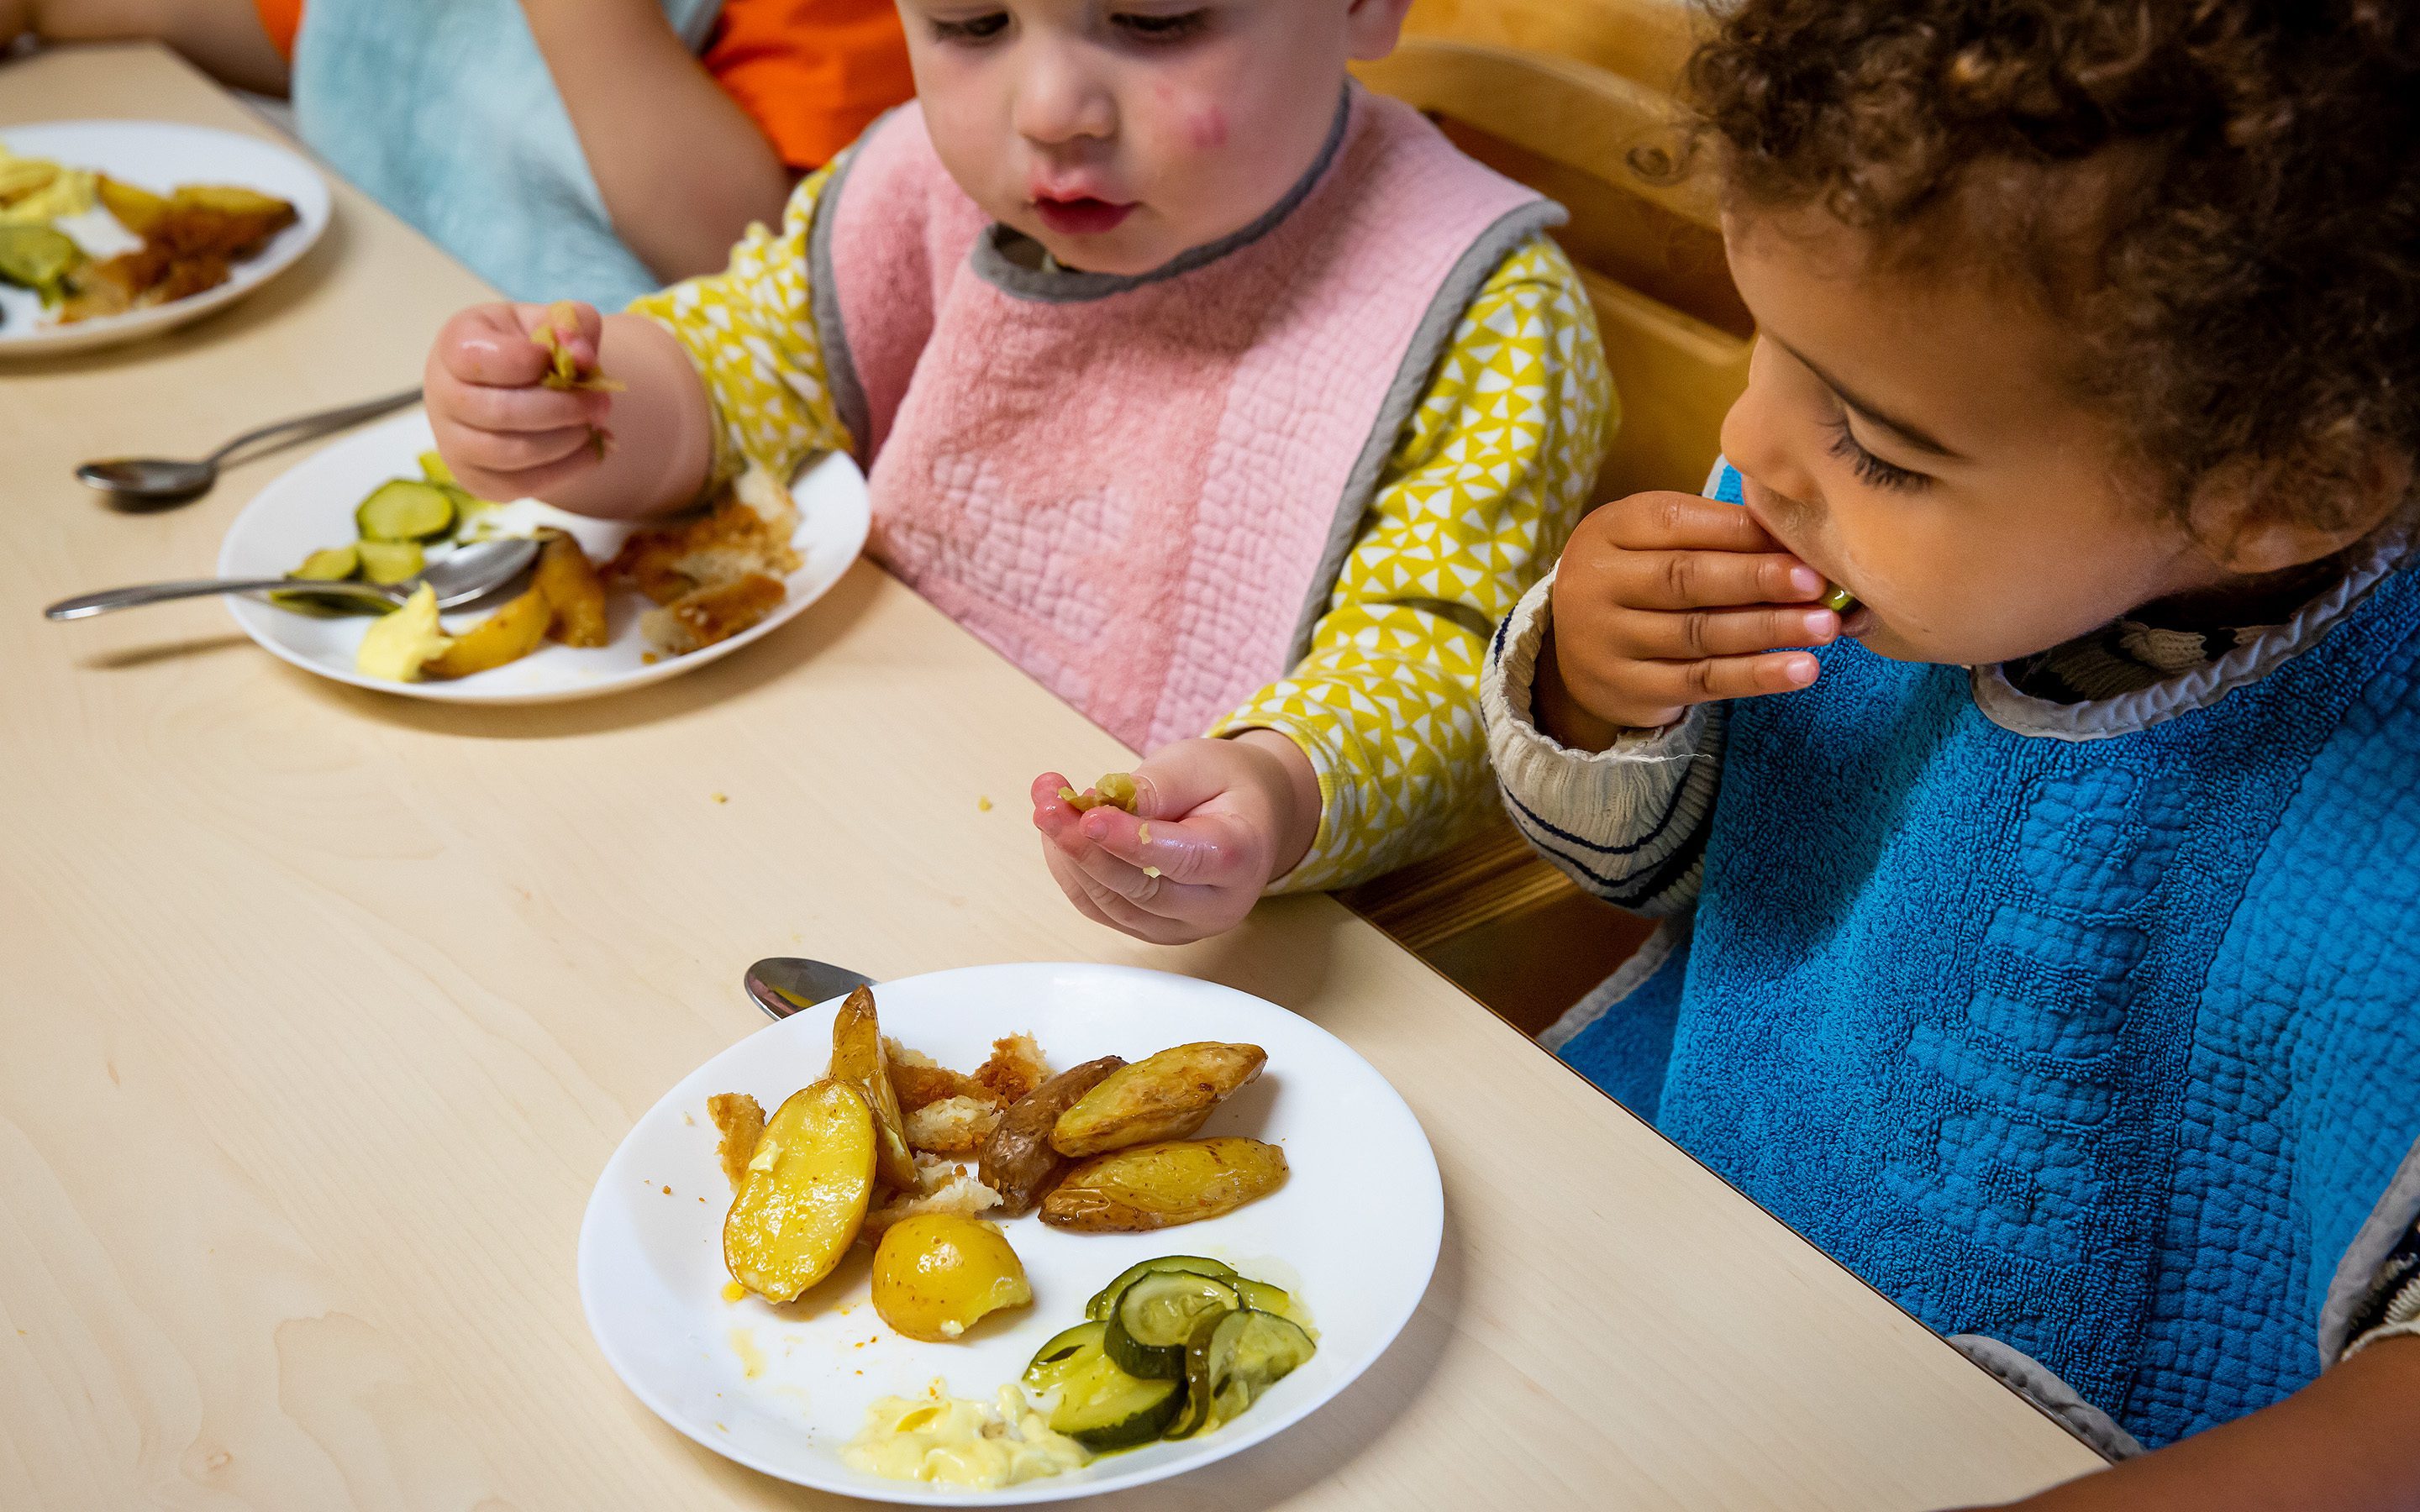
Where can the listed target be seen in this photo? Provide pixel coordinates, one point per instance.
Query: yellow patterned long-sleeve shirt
(1484, 484)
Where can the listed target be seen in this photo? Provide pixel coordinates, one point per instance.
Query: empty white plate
(312, 506)
(1353, 1234)
(159, 156)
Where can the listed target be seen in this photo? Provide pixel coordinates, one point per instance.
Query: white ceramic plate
(312, 506)
(158, 156)
(1354, 1232)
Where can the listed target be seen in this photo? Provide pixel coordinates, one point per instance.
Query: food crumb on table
(723, 798)
(982, 804)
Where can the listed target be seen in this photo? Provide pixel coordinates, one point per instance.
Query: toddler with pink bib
(1227, 399)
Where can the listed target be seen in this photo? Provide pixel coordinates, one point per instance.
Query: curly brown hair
(2248, 295)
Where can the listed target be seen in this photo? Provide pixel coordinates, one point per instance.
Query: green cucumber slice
(1157, 1315)
(332, 565)
(390, 561)
(1098, 1308)
(1067, 1356)
(404, 509)
(1230, 1360)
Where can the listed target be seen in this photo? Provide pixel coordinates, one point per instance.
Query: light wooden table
(320, 1011)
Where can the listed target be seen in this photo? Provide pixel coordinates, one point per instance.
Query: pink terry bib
(1141, 489)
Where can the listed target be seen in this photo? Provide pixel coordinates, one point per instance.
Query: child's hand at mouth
(1667, 600)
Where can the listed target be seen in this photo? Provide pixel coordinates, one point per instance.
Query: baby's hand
(1213, 822)
(504, 431)
(1665, 600)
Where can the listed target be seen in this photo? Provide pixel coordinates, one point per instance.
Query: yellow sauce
(955, 1441)
(751, 1359)
(401, 643)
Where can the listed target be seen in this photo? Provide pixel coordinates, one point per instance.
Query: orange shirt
(812, 74)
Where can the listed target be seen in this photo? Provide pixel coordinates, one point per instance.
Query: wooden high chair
(1594, 126)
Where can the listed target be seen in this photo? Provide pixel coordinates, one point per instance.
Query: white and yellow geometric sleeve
(750, 331)
(1484, 485)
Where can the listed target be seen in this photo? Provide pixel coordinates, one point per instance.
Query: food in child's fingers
(809, 1184)
(1166, 1096)
(1838, 599)
(564, 371)
(858, 1058)
(937, 1274)
(1115, 790)
(1017, 1160)
(1159, 1186)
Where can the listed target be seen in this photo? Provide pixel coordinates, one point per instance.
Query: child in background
(1219, 394)
(2043, 950)
(592, 148)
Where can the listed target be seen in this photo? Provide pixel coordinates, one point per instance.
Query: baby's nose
(1059, 100)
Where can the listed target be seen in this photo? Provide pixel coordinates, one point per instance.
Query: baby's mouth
(1082, 216)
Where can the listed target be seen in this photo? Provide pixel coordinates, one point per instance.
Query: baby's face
(1912, 439)
(1118, 133)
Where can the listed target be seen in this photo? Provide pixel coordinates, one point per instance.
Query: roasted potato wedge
(857, 1060)
(741, 1119)
(138, 209)
(1159, 1186)
(1166, 1096)
(573, 591)
(506, 635)
(1017, 1159)
(807, 1190)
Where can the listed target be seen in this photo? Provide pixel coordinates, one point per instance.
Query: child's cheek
(1205, 128)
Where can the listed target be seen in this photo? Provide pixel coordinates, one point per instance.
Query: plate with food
(113, 230)
(608, 606)
(1011, 1234)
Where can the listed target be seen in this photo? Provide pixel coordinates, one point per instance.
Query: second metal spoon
(152, 481)
(457, 579)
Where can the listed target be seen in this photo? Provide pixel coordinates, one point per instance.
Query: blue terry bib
(2101, 1048)
(443, 111)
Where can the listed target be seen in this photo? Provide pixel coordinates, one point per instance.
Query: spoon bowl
(156, 482)
(473, 572)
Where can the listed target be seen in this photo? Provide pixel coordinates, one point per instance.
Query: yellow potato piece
(858, 1058)
(573, 592)
(1166, 1096)
(936, 1275)
(1159, 1186)
(138, 209)
(806, 1193)
(506, 635)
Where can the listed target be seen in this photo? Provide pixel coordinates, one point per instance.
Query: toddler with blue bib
(2041, 943)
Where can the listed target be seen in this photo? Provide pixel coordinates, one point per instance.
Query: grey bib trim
(1477, 264)
(2100, 718)
(2357, 1272)
(841, 381)
(2028, 1377)
(1068, 286)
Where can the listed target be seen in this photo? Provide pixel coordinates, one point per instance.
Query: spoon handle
(321, 421)
(117, 599)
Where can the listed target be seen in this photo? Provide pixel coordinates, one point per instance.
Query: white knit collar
(2255, 658)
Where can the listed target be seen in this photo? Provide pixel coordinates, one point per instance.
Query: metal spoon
(458, 579)
(782, 984)
(140, 480)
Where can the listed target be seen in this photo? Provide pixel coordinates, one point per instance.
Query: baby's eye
(973, 29)
(1157, 27)
(1872, 470)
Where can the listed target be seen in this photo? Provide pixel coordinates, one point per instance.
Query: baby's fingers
(1666, 521)
(1701, 579)
(490, 343)
(1198, 852)
(1695, 634)
(1680, 684)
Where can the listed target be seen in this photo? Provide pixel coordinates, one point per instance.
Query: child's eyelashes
(980, 28)
(1871, 469)
(1161, 28)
